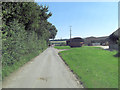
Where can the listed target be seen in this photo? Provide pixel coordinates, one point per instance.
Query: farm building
(113, 38)
(96, 41)
(75, 42)
(58, 42)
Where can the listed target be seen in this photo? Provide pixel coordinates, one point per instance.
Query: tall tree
(25, 30)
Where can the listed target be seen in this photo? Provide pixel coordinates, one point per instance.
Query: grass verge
(96, 68)
(7, 70)
(62, 47)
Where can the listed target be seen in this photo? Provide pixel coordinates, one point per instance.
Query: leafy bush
(63, 44)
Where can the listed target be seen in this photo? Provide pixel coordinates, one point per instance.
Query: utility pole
(70, 32)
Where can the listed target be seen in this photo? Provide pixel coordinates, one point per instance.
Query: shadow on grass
(117, 55)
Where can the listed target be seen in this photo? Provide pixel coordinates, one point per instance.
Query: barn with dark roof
(75, 42)
(113, 40)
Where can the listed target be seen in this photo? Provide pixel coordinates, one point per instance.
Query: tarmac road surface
(45, 71)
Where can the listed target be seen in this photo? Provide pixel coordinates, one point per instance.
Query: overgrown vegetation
(25, 33)
(95, 67)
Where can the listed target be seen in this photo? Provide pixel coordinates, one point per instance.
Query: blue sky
(86, 18)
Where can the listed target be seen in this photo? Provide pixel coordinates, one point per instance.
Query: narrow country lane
(45, 71)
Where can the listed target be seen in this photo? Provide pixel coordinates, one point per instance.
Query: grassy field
(62, 47)
(95, 67)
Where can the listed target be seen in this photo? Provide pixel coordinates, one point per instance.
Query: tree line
(25, 30)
